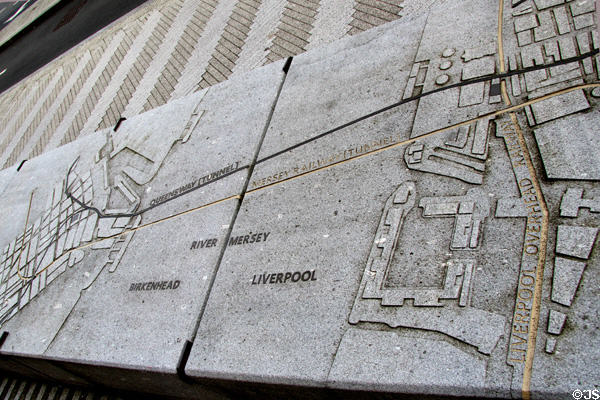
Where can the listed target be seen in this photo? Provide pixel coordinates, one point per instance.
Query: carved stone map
(414, 209)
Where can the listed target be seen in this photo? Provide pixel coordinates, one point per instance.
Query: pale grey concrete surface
(162, 51)
(404, 210)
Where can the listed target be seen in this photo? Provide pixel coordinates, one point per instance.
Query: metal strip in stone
(120, 97)
(118, 76)
(198, 62)
(74, 109)
(279, 224)
(397, 214)
(4, 158)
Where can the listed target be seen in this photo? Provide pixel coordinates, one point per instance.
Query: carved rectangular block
(569, 151)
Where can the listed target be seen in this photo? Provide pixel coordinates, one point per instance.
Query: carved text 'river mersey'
(250, 238)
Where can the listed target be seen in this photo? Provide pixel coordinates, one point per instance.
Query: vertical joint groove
(188, 346)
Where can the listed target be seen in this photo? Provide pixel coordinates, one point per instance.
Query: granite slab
(412, 218)
(114, 238)
(412, 211)
(5, 178)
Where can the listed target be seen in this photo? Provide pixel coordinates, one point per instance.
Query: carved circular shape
(449, 52)
(442, 79)
(445, 65)
(596, 92)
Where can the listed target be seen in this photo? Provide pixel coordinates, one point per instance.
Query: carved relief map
(414, 209)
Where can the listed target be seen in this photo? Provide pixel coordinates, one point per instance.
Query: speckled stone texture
(413, 210)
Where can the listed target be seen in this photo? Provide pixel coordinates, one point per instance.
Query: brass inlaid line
(500, 42)
(535, 311)
(503, 90)
(58, 227)
(539, 272)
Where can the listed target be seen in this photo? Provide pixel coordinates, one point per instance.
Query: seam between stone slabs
(240, 197)
(541, 259)
(239, 204)
(495, 113)
(191, 210)
(68, 316)
(432, 133)
(502, 75)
